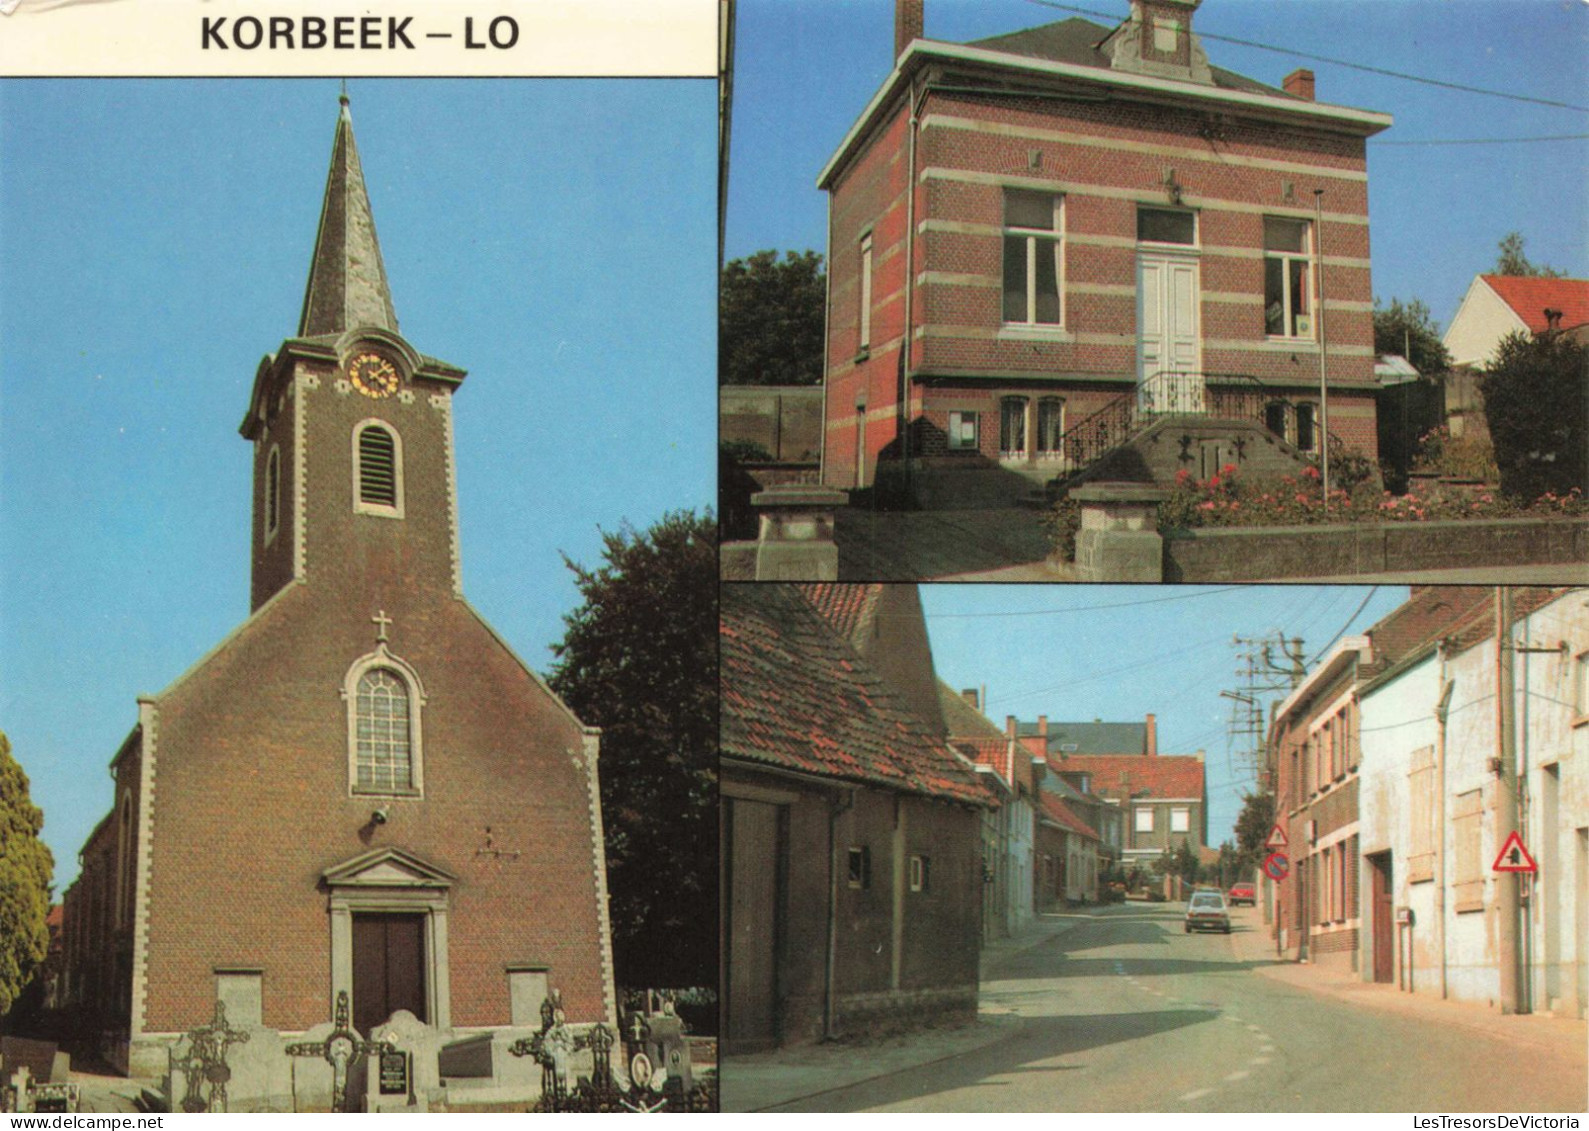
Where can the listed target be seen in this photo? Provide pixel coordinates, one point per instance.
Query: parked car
(1242, 893)
(1207, 912)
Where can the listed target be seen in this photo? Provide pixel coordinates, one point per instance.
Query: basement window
(920, 873)
(962, 431)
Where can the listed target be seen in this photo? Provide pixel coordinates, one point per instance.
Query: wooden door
(1384, 918)
(1169, 344)
(388, 968)
(753, 924)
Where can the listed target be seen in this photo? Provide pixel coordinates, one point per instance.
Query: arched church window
(377, 469)
(383, 755)
(272, 493)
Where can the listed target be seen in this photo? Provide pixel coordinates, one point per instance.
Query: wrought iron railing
(1231, 396)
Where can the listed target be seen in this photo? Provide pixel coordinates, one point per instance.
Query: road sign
(1277, 866)
(1277, 839)
(1514, 857)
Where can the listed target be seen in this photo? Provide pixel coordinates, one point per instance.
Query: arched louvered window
(272, 493)
(383, 734)
(377, 470)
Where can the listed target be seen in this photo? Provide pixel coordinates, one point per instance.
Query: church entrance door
(388, 968)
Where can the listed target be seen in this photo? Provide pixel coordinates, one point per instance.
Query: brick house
(1104, 234)
(852, 834)
(361, 789)
(1335, 891)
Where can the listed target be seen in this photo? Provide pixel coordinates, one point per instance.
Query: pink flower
(1206, 506)
(1310, 472)
(1213, 482)
(1228, 469)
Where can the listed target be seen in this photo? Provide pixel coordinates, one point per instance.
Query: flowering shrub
(1297, 500)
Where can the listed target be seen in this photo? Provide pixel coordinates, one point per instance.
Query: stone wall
(1269, 553)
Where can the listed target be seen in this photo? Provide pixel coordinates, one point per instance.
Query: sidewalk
(761, 1081)
(1561, 1035)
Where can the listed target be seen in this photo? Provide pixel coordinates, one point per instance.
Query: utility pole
(1318, 317)
(1505, 766)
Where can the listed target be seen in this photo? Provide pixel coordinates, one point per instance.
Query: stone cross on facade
(382, 622)
(341, 1049)
(205, 1062)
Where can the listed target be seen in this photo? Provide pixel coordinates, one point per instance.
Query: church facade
(362, 789)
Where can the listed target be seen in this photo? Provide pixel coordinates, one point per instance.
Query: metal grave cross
(341, 1050)
(206, 1062)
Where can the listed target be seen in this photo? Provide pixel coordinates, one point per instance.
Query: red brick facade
(1104, 148)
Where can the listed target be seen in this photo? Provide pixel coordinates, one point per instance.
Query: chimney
(969, 694)
(1009, 726)
(1552, 321)
(1152, 741)
(1299, 83)
(909, 22)
(1042, 726)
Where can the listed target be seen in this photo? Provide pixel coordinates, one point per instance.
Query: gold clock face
(373, 375)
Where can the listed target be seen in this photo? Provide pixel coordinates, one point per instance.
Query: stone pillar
(796, 538)
(1119, 537)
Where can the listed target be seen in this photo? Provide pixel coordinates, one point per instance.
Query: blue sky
(806, 68)
(1119, 652)
(556, 239)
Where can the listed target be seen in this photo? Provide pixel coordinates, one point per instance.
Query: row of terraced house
(1404, 765)
(878, 828)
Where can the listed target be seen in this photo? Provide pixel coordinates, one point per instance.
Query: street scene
(1122, 1011)
(1303, 849)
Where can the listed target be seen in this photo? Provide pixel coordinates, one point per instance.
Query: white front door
(1169, 347)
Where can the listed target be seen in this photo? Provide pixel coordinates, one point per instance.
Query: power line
(1348, 624)
(1338, 62)
(1376, 143)
(1089, 608)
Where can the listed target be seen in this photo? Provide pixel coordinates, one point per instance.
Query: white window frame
(1144, 818)
(1181, 819)
(1313, 425)
(1055, 238)
(864, 333)
(360, 506)
(1291, 328)
(1037, 442)
(1025, 429)
(920, 873)
(957, 422)
(384, 660)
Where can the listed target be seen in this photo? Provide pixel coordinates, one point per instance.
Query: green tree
(26, 868)
(770, 319)
(639, 660)
(1534, 399)
(1253, 825)
(1408, 330)
(1510, 259)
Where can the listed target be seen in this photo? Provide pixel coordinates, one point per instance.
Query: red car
(1242, 893)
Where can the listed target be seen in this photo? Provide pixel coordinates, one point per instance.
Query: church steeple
(347, 281)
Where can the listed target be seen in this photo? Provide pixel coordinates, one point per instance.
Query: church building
(362, 789)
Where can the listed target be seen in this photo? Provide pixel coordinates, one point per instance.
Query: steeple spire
(347, 281)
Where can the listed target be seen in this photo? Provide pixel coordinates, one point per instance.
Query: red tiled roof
(991, 752)
(55, 916)
(1116, 775)
(1530, 295)
(1055, 809)
(848, 608)
(1462, 614)
(798, 697)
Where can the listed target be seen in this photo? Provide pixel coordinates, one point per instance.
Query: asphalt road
(1128, 1013)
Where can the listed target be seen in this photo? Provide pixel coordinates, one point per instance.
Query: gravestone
(229, 1067)
(407, 1074)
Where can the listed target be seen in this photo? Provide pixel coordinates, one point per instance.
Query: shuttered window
(378, 470)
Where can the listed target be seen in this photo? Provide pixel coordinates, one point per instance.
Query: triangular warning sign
(1277, 838)
(1514, 857)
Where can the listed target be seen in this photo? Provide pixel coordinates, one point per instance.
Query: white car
(1207, 912)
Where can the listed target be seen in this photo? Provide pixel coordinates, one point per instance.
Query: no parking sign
(1277, 866)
